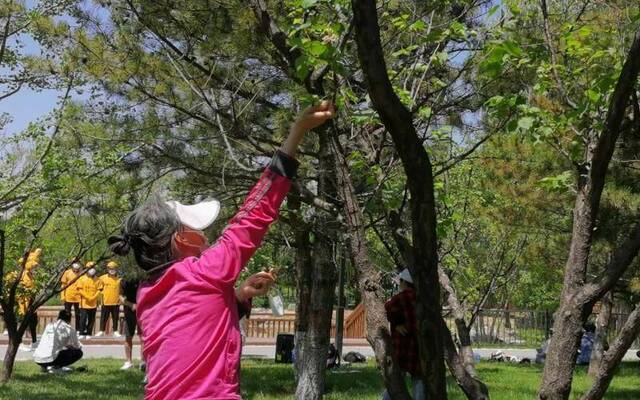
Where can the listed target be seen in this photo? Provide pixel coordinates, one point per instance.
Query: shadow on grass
(102, 380)
(264, 380)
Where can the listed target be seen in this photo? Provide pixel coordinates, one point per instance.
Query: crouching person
(59, 346)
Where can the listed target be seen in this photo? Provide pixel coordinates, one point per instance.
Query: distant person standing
(586, 344)
(128, 295)
(401, 313)
(59, 346)
(27, 290)
(88, 289)
(70, 295)
(109, 286)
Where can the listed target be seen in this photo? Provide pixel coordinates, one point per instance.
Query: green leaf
(558, 183)
(316, 48)
(493, 10)
(419, 25)
(308, 3)
(512, 48)
(526, 123)
(425, 112)
(593, 95)
(302, 67)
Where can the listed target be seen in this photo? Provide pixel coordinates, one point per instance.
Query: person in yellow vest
(109, 286)
(27, 289)
(70, 295)
(88, 289)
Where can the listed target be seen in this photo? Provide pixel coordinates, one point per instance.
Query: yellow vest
(88, 289)
(70, 294)
(25, 289)
(110, 287)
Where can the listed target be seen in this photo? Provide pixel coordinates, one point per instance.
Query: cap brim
(405, 275)
(197, 216)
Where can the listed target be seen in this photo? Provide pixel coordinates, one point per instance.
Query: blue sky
(27, 105)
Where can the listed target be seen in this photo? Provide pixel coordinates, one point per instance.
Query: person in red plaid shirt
(401, 313)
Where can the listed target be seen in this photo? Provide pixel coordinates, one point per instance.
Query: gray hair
(148, 231)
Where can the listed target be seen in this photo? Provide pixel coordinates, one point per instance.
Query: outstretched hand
(307, 120)
(256, 285)
(314, 116)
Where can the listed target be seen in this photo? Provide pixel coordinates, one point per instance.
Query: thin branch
(554, 56)
(47, 149)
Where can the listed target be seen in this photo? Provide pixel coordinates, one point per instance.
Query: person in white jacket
(59, 346)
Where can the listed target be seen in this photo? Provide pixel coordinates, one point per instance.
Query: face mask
(112, 272)
(188, 243)
(75, 266)
(91, 272)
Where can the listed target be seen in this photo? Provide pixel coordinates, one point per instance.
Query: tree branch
(619, 261)
(554, 56)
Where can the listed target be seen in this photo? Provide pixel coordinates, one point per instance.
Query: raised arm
(224, 260)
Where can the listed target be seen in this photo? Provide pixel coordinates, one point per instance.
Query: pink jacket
(189, 315)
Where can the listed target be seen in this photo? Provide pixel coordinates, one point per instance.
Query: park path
(268, 351)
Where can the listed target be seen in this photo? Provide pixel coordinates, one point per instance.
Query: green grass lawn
(267, 381)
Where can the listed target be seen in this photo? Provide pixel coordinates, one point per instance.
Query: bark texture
(316, 288)
(399, 123)
(601, 344)
(9, 360)
(613, 356)
(577, 296)
(369, 282)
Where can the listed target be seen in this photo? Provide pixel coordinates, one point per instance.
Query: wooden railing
(262, 323)
(265, 325)
(268, 326)
(355, 324)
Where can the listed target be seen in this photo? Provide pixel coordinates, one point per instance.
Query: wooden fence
(515, 328)
(262, 323)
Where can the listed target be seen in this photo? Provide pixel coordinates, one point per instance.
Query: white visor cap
(405, 275)
(197, 216)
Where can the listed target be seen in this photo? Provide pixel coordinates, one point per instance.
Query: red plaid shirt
(401, 310)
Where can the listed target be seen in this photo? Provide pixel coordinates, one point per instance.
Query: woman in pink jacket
(188, 308)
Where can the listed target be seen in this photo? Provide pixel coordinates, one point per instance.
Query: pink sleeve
(241, 238)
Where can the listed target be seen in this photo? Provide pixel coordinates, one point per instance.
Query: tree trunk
(417, 166)
(577, 297)
(600, 344)
(317, 288)
(9, 360)
(10, 356)
(369, 282)
(562, 353)
(304, 284)
(340, 307)
(507, 315)
(461, 363)
(16, 332)
(614, 355)
(466, 350)
(312, 324)
(471, 386)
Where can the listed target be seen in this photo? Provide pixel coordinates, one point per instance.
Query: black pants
(130, 323)
(76, 311)
(65, 357)
(87, 320)
(114, 311)
(33, 327)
